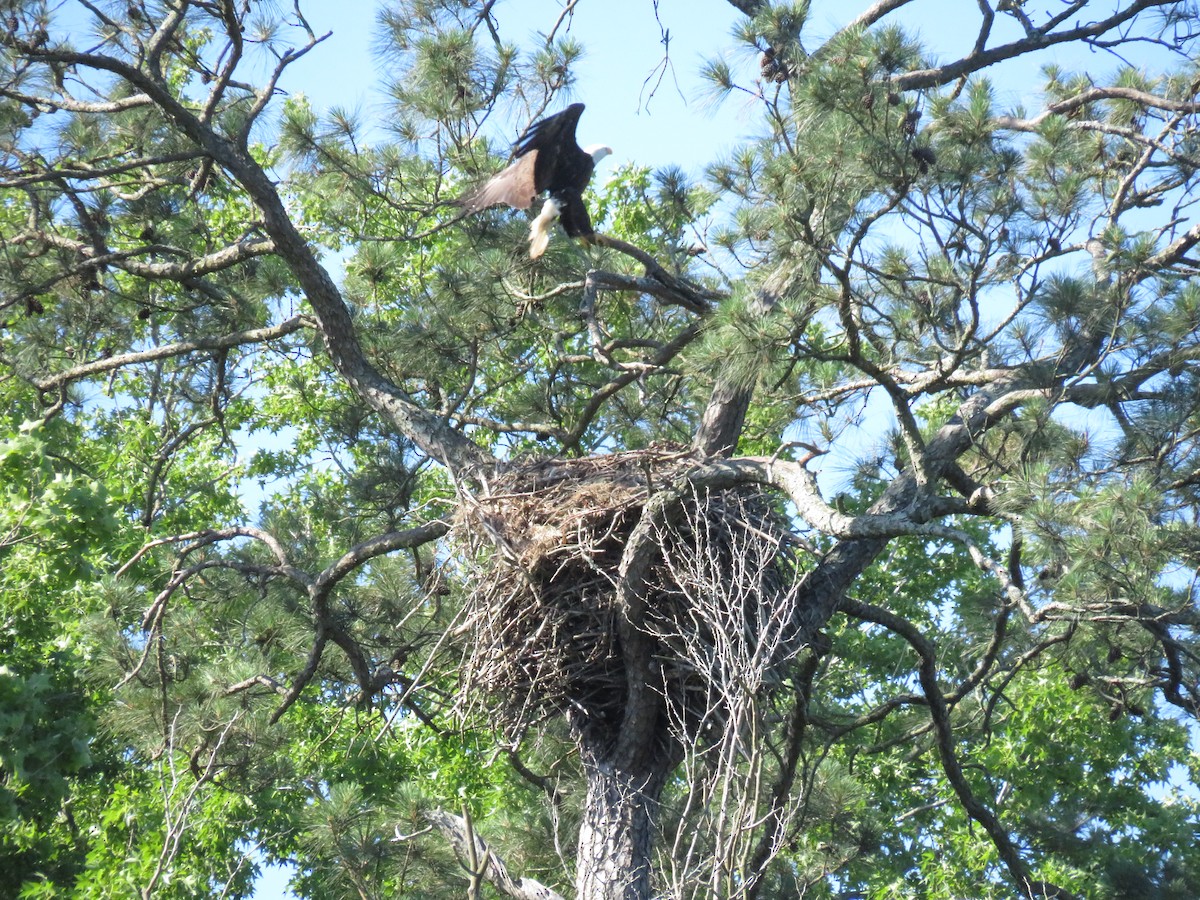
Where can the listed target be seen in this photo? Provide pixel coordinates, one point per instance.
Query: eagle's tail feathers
(539, 228)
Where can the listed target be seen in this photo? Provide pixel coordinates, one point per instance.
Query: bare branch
(468, 845)
(70, 104)
(658, 282)
(939, 712)
(1039, 40)
(166, 351)
(376, 546)
(80, 171)
(875, 13)
(1094, 94)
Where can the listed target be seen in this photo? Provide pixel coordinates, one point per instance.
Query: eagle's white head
(597, 151)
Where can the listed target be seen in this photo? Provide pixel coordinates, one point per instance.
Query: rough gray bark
(616, 835)
(721, 424)
(725, 415)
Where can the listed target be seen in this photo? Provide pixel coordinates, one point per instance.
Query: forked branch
(481, 861)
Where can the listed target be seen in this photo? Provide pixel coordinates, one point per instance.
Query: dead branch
(483, 862)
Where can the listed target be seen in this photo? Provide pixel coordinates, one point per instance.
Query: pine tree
(458, 567)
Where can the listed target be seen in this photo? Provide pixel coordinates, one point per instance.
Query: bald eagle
(548, 159)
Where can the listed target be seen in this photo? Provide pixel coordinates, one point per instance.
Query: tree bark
(721, 424)
(725, 415)
(616, 835)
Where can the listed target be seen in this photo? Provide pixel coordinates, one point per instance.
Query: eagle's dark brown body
(547, 159)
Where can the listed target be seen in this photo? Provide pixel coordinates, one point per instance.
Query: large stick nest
(547, 540)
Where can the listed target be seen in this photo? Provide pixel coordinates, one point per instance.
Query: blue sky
(623, 43)
(672, 125)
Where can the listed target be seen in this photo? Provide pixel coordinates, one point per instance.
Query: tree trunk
(721, 425)
(616, 835)
(725, 415)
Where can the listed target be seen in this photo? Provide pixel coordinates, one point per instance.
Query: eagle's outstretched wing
(537, 164)
(515, 186)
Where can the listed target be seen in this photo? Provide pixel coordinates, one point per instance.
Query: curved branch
(1040, 39)
(428, 431)
(78, 172)
(939, 711)
(800, 485)
(1175, 251)
(659, 281)
(673, 291)
(70, 104)
(878, 11)
(376, 546)
(267, 91)
(303, 677)
(1091, 95)
(198, 267)
(669, 351)
(224, 342)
